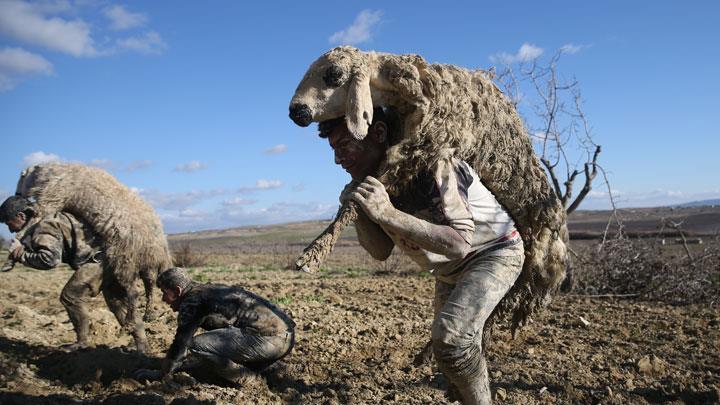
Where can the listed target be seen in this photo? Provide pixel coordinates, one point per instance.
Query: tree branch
(589, 177)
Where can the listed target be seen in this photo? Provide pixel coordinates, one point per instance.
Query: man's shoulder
(205, 291)
(50, 222)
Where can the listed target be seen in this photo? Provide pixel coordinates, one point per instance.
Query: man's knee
(455, 350)
(74, 294)
(207, 343)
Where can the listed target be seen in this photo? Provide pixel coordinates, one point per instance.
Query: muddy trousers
(230, 352)
(86, 283)
(461, 310)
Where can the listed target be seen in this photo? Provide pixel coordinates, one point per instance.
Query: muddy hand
(373, 199)
(347, 190)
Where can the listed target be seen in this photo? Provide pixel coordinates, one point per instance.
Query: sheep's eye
(333, 76)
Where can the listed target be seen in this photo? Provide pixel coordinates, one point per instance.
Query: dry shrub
(185, 256)
(652, 271)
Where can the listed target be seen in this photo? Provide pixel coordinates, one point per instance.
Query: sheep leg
(319, 249)
(122, 301)
(148, 277)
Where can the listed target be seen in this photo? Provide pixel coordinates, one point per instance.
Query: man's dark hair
(14, 205)
(173, 277)
(386, 114)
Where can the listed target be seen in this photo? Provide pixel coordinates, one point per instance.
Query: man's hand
(373, 199)
(16, 250)
(349, 188)
(146, 374)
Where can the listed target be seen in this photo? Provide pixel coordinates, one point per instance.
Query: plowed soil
(357, 337)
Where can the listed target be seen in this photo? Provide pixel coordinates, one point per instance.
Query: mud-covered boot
(425, 356)
(477, 391)
(81, 325)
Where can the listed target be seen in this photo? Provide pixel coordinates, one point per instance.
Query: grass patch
(198, 276)
(284, 300)
(313, 298)
(351, 272)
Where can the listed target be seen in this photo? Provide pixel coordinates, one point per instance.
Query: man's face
(170, 296)
(359, 158)
(17, 222)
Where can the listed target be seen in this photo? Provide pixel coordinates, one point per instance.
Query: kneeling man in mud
(44, 242)
(246, 332)
(448, 223)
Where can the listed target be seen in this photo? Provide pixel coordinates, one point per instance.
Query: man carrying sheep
(245, 332)
(449, 224)
(43, 243)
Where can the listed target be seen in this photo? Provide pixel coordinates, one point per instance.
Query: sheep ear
(359, 108)
(405, 77)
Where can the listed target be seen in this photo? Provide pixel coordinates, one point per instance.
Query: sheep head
(336, 84)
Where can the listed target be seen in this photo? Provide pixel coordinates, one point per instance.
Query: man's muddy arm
(176, 352)
(440, 239)
(46, 252)
(372, 237)
(188, 321)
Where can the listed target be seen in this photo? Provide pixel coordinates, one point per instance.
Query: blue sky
(186, 102)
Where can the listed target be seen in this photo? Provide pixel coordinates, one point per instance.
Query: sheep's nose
(300, 114)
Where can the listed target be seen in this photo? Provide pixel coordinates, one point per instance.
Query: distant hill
(695, 220)
(701, 203)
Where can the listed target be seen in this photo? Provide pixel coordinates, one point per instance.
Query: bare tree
(552, 108)
(553, 113)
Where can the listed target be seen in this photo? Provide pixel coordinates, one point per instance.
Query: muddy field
(357, 335)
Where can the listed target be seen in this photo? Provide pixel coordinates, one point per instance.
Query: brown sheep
(131, 232)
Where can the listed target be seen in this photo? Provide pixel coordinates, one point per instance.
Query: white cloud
(526, 53)
(276, 149)
(149, 43)
(121, 19)
(16, 63)
(268, 184)
(27, 23)
(138, 165)
(261, 185)
(359, 31)
(55, 25)
(238, 201)
(40, 157)
(190, 167)
(179, 200)
(237, 215)
(571, 48)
